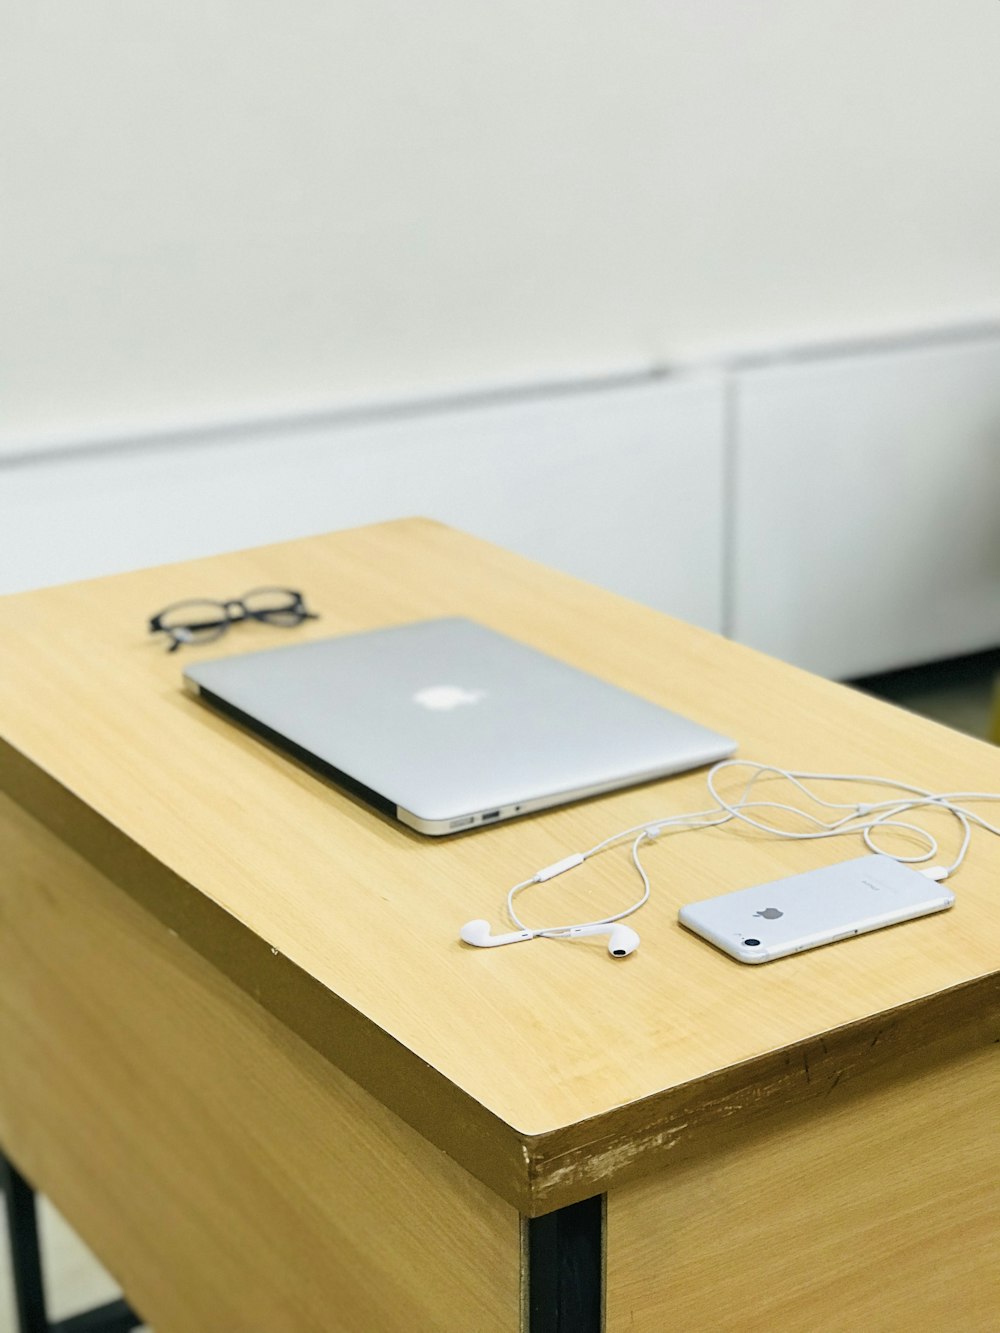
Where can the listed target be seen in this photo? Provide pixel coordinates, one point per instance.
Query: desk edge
(539, 1173)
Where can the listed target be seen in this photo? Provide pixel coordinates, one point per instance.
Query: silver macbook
(447, 725)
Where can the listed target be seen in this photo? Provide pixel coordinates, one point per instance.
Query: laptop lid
(448, 725)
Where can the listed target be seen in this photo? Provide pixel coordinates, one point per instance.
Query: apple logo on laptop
(442, 698)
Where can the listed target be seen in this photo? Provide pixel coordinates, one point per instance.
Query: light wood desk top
(549, 1070)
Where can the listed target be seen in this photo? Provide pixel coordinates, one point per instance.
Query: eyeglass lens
(196, 621)
(278, 606)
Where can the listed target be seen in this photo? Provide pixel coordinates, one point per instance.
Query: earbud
(623, 939)
(478, 933)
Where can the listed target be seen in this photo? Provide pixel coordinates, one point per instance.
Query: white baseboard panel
(866, 530)
(838, 507)
(620, 485)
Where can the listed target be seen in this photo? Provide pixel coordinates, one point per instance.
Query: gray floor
(75, 1281)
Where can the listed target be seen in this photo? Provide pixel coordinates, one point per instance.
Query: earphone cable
(860, 817)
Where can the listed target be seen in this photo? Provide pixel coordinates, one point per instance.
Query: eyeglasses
(201, 620)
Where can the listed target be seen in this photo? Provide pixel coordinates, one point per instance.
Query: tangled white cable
(860, 817)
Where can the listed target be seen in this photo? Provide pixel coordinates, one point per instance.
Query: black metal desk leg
(566, 1269)
(25, 1256)
(26, 1261)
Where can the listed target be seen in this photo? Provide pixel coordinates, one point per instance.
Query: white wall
(228, 208)
(258, 216)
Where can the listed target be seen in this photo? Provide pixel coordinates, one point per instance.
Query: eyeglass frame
(180, 634)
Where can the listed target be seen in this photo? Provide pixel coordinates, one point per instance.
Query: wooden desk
(245, 1054)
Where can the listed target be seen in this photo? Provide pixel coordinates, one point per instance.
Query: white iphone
(789, 915)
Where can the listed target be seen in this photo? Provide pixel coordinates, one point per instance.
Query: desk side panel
(226, 1174)
(878, 1210)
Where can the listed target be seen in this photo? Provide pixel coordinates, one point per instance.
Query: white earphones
(866, 818)
(478, 933)
(623, 939)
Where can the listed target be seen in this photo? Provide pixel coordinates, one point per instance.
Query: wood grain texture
(878, 1209)
(222, 1170)
(548, 1069)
